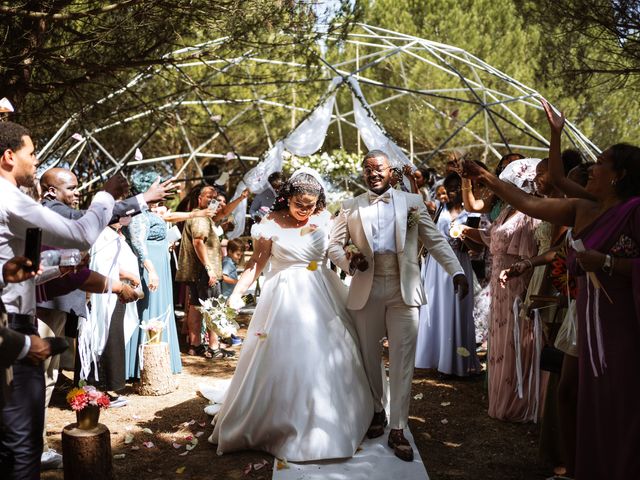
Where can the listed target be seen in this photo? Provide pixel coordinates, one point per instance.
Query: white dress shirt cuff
(142, 202)
(26, 348)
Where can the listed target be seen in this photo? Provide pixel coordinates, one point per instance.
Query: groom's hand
(358, 262)
(460, 285)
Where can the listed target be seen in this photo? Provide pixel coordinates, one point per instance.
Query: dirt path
(456, 439)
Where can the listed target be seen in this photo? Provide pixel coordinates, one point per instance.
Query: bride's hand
(235, 301)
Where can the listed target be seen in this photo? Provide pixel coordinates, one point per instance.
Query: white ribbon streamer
(517, 303)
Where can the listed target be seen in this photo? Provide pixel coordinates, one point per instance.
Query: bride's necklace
(296, 223)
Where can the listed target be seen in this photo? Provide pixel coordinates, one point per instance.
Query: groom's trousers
(386, 314)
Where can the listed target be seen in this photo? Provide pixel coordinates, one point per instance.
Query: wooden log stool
(156, 377)
(87, 453)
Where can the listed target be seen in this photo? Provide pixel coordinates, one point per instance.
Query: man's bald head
(62, 185)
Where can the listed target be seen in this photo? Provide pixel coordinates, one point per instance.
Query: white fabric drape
(372, 135)
(304, 140)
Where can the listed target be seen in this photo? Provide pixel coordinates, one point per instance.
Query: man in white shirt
(264, 200)
(21, 438)
(385, 225)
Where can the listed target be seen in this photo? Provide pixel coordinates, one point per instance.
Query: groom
(384, 226)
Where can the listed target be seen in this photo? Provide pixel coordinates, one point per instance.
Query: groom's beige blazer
(354, 224)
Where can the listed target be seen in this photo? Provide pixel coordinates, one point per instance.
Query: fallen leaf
(445, 404)
(184, 453)
(192, 422)
(147, 430)
(451, 444)
(176, 445)
(426, 435)
(419, 396)
(135, 447)
(282, 464)
(148, 444)
(247, 469)
(119, 456)
(189, 447)
(199, 434)
(180, 470)
(202, 424)
(128, 438)
(444, 421)
(463, 352)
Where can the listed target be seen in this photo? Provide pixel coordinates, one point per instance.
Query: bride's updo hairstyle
(301, 184)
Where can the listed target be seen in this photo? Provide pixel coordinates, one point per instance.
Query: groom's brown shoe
(401, 446)
(378, 422)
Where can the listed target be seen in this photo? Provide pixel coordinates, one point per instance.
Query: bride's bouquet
(219, 316)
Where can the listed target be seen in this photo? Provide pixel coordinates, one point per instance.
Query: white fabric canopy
(306, 139)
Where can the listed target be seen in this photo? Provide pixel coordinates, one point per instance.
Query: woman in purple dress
(606, 261)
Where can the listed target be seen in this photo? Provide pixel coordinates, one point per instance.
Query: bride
(299, 391)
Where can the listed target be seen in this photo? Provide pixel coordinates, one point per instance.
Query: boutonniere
(413, 217)
(351, 250)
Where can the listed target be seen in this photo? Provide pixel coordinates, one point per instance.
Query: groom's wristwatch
(607, 265)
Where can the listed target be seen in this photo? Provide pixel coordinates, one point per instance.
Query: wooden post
(156, 377)
(87, 453)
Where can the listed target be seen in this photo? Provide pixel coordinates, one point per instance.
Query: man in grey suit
(385, 225)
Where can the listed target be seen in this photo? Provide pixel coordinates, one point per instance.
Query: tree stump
(156, 377)
(86, 453)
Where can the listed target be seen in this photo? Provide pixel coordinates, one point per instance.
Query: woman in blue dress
(147, 235)
(446, 333)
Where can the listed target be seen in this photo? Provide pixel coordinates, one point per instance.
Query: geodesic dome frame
(464, 102)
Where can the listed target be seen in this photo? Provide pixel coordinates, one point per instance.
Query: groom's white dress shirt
(384, 229)
(19, 212)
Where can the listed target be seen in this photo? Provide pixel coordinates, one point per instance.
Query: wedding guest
(147, 236)
(608, 228)
(21, 437)
(446, 321)
(267, 197)
(235, 252)
(200, 266)
(512, 392)
(424, 181)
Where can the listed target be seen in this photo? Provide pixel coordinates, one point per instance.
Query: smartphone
(32, 244)
(213, 205)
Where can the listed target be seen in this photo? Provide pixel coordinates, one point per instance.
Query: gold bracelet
(467, 188)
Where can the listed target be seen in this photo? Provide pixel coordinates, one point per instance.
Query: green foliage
(497, 32)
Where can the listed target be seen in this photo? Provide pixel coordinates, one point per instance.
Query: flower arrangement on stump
(219, 316)
(154, 330)
(87, 401)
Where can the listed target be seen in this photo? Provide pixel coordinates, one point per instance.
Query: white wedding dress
(299, 391)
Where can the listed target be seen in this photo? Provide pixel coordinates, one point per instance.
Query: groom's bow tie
(373, 198)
